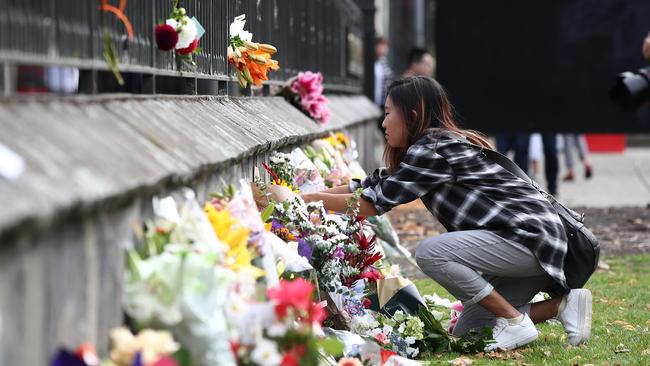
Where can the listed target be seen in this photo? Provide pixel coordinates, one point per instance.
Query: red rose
(189, 49)
(290, 359)
(367, 303)
(166, 37)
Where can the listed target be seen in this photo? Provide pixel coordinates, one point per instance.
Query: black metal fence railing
(318, 35)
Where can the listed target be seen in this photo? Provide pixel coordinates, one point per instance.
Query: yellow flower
(235, 236)
(284, 183)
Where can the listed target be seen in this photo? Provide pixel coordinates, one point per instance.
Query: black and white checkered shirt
(465, 190)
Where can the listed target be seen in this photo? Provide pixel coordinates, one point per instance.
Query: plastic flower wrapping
(252, 60)
(233, 282)
(179, 33)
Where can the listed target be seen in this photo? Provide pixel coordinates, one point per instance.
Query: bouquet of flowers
(147, 348)
(282, 331)
(180, 33)
(305, 92)
(252, 60)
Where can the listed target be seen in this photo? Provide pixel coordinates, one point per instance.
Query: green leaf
(182, 357)
(268, 211)
(110, 56)
(430, 322)
(331, 346)
(133, 259)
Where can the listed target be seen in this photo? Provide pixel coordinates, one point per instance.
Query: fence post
(368, 10)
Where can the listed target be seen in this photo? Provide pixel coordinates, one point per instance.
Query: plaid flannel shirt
(465, 190)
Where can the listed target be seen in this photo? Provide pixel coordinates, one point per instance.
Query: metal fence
(319, 35)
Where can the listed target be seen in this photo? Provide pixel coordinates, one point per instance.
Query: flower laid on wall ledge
(305, 91)
(180, 33)
(252, 60)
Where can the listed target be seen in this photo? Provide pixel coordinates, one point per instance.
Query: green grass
(621, 320)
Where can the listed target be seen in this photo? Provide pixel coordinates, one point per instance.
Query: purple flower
(338, 254)
(304, 249)
(276, 225)
(65, 358)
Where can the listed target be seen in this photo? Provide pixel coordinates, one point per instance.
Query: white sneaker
(509, 337)
(576, 316)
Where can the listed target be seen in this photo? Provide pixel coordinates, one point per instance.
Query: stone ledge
(84, 153)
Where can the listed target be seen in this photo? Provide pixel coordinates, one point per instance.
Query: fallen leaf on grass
(646, 352)
(624, 324)
(576, 358)
(621, 349)
(461, 361)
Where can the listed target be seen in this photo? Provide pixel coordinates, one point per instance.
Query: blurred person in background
(520, 143)
(383, 72)
(646, 47)
(535, 154)
(573, 142)
(420, 63)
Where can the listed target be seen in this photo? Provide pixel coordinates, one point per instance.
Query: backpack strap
(504, 162)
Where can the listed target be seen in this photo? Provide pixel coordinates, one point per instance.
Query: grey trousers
(470, 264)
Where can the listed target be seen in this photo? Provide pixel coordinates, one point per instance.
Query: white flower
(364, 323)
(186, 31)
(437, 300)
(237, 29)
(387, 329)
(409, 340)
(412, 352)
(438, 315)
(266, 353)
(276, 330)
(401, 328)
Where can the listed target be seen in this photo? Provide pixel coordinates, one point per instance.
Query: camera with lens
(632, 89)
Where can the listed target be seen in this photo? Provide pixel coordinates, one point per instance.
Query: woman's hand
(311, 197)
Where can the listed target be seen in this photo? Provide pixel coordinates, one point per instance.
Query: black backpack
(583, 247)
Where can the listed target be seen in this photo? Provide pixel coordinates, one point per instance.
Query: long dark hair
(429, 99)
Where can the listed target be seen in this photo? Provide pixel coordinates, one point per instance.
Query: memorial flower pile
(228, 282)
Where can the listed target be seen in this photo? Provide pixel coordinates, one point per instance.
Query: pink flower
(338, 254)
(458, 306)
(381, 338)
(308, 83)
(316, 106)
(314, 218)
(166, 37)
(456, 309)
(294, 294)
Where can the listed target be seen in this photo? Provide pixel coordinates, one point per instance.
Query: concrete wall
(92, 166)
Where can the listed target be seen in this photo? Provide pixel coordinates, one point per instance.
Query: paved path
(619, 180)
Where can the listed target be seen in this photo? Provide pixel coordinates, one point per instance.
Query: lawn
(620, 331)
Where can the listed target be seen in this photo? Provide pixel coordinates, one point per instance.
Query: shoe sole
(517, 344)
(584, 323)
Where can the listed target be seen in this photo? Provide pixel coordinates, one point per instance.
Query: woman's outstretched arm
(337, 190)
(337, 202)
